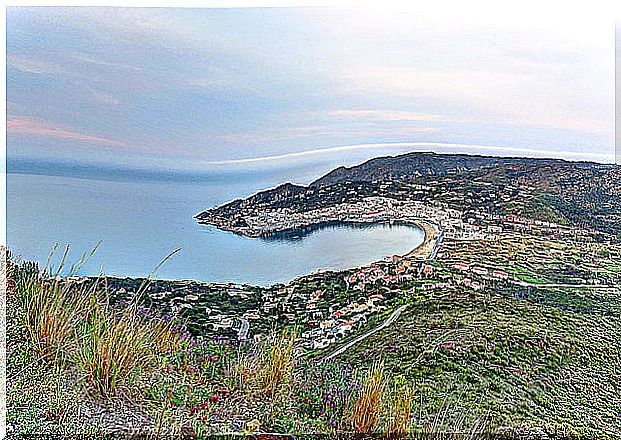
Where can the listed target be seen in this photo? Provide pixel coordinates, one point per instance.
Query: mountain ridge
(419, 164)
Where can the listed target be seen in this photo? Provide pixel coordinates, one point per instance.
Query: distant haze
(219, 90)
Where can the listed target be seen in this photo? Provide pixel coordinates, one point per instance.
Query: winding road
(383, 325)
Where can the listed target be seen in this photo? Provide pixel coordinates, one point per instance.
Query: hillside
(578, 193)
(414, 165)
(531, 363)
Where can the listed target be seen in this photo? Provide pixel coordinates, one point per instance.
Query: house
(494, 229)
(480, 271)
(360, 308)
(427, 270)
(463, 267)
(476, 285)
(316, 294)
(500, 274)
(224, 323)
(324, 342)
(347, 325)
(251, 314)
(326, 324)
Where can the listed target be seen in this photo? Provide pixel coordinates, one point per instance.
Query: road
(383, 325)
(434, 252)
(242, 335)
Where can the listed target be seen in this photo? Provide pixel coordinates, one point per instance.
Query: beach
(425, 249)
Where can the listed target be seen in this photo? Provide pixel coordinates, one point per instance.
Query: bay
(139, 222)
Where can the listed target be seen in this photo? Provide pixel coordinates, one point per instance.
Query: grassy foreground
(77, 365)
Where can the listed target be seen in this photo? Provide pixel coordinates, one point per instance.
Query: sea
(135, 222)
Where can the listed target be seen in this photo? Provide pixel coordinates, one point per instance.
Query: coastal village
(464, 249)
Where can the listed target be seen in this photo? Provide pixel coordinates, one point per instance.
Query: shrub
(324, 389)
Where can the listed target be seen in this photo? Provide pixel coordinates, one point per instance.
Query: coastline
(423, 252)
(425, 249)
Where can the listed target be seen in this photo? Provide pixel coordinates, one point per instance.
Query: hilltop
(419, 164)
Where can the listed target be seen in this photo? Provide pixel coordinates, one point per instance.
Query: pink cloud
(37, 127)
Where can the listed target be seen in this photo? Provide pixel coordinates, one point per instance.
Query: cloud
(384, 115)
(321, 131)
(37, 127)
(548, 98)
(210, 84)
(402, 147)
(90, 60)
(30, 65)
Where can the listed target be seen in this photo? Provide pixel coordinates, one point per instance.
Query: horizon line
(274, 159)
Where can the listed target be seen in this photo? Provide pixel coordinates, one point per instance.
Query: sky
(194, 89)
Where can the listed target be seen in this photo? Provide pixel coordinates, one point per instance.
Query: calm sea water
(140, 222)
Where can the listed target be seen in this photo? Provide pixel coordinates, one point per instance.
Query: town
(471, 243)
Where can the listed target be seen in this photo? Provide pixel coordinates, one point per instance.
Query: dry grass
(166, 336)
(399, 413)
(241, 371)
(266, 369)
(113, 348)
(52, 311)
(363, 416)
(68, 322)
(277, 365)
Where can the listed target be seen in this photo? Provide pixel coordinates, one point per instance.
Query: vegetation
(513, 330)
(81, 365)
(506, 361)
